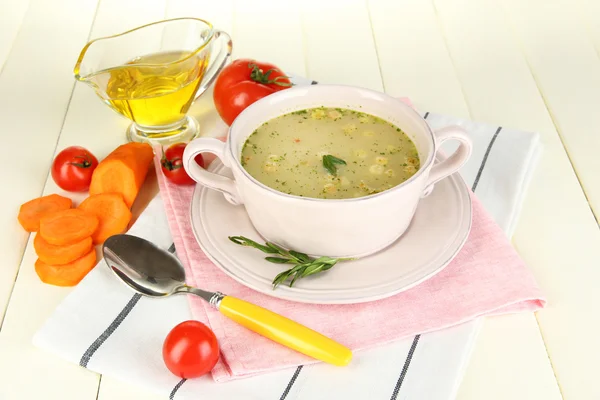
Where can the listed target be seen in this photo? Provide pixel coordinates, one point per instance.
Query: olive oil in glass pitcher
(152, 75)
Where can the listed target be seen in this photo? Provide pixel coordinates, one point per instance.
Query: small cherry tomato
(172, 164)
(190, 350)
(72, 169)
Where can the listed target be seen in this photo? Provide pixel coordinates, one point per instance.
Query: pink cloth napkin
(486, 278)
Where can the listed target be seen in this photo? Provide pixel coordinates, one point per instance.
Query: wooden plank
(344, 54)
(589, 10)
(512, 342)
(269, 33)
(567, 245)
(33, 99)
(220, 13)
(413, 57)
(562, 250)
(12, 13)
(28, 372)
(568, 75)
(89, 123)
(114, 389)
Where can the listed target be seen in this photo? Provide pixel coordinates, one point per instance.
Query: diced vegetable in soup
(330, 153)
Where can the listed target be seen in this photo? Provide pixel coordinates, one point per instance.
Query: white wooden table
(532, 65)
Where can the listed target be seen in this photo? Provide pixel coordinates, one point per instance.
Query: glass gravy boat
(152, 74)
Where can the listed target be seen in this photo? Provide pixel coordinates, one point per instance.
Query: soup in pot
(329, 153)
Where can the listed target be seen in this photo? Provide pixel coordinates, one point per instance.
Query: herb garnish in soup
(330, 153)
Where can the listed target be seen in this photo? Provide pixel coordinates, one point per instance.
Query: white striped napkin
(103, 326)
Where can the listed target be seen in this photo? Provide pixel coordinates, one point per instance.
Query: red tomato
(190, 350)
(72, 169)
(172, 164)
(243, 82)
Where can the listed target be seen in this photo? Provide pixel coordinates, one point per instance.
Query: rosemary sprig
(330, 162)
(303, 264)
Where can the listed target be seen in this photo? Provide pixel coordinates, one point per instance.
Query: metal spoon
(154, 272)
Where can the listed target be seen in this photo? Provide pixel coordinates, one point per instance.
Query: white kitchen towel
(103, 326)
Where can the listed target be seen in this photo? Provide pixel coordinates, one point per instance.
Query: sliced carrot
(31, 212)
(67, 226)
(112, 212)
(123, 171)
(58, 255)
(67, 274)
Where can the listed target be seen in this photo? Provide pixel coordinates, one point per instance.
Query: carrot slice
(31, 212)
(112, 212)
(67, 274)
(58, 255)
(123, 171)
(67, 226)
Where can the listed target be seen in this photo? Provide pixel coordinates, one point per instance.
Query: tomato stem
(169, 164)
(85, 164)
(257, 75)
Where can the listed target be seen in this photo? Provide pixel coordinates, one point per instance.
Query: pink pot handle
(211, 180)
(454, 162)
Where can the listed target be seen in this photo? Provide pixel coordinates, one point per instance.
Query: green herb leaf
(277, 260)
(326, 260)
(303, 264)
(329, 266)
(296, 276)
(243, 241)
(275, 247)
(312, 269)
(280, 278)
(300, 256)
(330, 162)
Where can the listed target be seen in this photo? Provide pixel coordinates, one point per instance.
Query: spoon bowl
(143, 266)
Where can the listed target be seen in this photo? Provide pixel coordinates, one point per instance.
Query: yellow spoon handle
(285, 331)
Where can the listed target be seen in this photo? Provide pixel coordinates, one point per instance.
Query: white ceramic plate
(438, 231)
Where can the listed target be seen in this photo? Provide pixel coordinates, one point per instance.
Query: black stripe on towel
(409, 357)
(85, 359)
(176, 388)
(291, 383)
(485, 157)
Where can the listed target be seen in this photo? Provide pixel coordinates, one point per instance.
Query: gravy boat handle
(218, 63)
